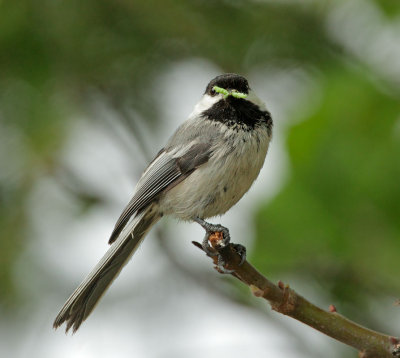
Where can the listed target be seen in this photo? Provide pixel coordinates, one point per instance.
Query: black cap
(228, 81)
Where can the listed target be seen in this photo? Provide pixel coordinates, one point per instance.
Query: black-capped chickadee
(204, 169)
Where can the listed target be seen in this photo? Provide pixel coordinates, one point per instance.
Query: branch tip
(198, 245)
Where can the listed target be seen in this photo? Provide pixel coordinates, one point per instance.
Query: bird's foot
(218, 243)
(211, 229)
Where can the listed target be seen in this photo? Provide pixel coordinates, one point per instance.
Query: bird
(204, 169)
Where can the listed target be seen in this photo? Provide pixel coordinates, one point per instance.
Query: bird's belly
(216, 186)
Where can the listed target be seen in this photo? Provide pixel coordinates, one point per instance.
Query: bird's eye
(213, 92)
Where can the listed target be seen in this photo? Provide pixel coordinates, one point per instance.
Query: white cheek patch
(205, 103)
(208, 101)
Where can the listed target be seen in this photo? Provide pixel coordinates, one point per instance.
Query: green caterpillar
(227, 93)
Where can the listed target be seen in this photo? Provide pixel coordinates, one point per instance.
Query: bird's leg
(213, 251)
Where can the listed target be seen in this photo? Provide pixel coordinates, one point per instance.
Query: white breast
(217, 185)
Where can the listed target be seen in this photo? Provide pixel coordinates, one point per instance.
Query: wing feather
(165, 170)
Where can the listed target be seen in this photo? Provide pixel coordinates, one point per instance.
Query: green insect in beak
(227, 93)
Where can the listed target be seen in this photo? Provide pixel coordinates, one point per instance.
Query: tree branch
(283, 299)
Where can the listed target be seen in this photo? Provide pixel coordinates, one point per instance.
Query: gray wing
(165, 170)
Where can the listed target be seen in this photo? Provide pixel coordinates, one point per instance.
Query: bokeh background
(89, 92)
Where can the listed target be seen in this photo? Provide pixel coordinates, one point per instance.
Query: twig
(283, 299)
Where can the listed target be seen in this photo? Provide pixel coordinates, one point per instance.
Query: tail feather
(83, 300)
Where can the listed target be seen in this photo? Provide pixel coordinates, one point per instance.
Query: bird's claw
(241, 251)
(213, 250)
(213, 228)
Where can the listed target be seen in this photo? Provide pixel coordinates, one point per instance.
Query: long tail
(82, 302)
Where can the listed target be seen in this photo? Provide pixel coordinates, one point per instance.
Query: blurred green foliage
(336, 219)
(342, 202)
